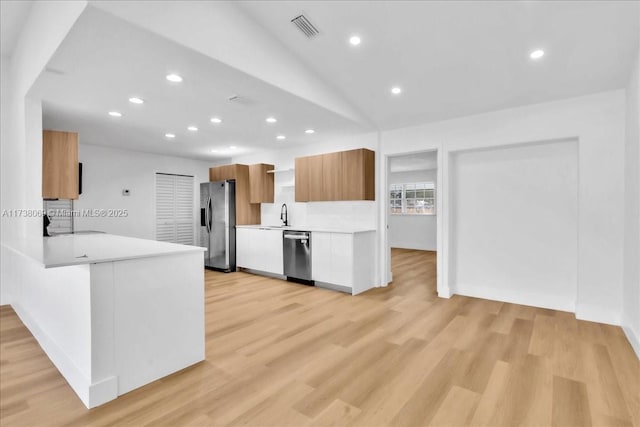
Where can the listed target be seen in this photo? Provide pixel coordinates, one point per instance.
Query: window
(174, 208)
(418, 198)
(60, 213)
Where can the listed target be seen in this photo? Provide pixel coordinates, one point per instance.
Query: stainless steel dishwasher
(296, 247)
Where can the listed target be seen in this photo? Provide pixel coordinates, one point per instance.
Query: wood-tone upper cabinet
(222, 173)
(261, 183)
(247, 213)
(332, 177)
(344, 175)
(314, 167)
(302, 179)
(59, 165)
(358, 175)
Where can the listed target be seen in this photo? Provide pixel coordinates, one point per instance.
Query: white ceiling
(457, 58)
(104, 61)
(451, 59)
(13, 14)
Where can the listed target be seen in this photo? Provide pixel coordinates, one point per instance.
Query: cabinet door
(358, 175)
(261, 183)
(321, 257)
(271, 251)
(314, 166)
(59, 165)
(302, 179)
(342, 259)
(243, 249)
(214, 174)
(331, 177)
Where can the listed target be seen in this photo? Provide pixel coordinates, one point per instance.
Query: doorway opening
(412, 222)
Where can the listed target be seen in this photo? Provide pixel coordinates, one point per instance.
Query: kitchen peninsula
(113, 313)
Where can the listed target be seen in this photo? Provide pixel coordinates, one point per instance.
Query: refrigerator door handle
(206, 214)
(210, 208)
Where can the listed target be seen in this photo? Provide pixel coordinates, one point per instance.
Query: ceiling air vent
(305, 26)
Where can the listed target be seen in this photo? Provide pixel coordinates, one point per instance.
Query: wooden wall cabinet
(247, 213)
(332, 177)
(302, 179)
(359, 175)
(344, 175)
(59, 165)
(261, 183)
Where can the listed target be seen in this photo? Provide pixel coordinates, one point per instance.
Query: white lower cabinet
(259, 249)
(321, 257)
(344, 260)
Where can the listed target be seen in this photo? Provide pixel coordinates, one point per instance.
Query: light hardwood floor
(281, 354)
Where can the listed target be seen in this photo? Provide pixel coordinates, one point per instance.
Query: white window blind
(60, 213)
(174, 208)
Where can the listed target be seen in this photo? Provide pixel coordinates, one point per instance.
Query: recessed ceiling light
(213, 150)
(232, 147)
(354, 40)
(536, 54)
(396, 90)
(115, 114)
(309, 131)
(192, 128)
(271, 120)
(174, 78)
(281, 137)
(135, 100)
(216, 120)
(170, 135)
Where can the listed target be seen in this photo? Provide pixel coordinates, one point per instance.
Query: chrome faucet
(283, 215)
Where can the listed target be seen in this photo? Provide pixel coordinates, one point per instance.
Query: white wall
(5, 149)
(631, 315)
(359, 214)
(107, 171)
(597, 122)
(413, 231)
(514, 223)
(21, 172)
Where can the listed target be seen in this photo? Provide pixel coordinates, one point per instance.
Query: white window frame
(410, 186)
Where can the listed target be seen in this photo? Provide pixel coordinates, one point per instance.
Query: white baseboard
(103, 391)
(445, 293)
(510, 296)
(634, 339)
(594, 313)
(412, 246)
(91, 395)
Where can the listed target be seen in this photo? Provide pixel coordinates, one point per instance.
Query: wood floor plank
(280, 354)
(338, 413)
(492, 398)
(456, 409)
(570, 404)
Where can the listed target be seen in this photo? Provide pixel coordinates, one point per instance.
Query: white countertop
(70, 249)
(307, 228)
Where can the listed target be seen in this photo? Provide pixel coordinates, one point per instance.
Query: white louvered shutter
(60, 214)
(184, 209)
(174, 208)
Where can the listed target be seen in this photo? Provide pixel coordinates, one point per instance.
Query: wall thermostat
(126, 192)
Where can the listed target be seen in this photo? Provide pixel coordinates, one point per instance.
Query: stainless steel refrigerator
(218, 224)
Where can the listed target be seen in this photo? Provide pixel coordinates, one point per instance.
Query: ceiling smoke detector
(305, 26)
